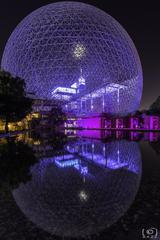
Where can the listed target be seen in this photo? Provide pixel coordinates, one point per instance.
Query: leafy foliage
(14, 104)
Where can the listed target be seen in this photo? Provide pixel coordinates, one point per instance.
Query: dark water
(87, 184)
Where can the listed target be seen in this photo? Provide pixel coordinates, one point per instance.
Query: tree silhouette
(14, 104)
(155, 107)
(56, 116)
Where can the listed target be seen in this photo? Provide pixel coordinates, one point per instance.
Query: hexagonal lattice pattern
(75, 45)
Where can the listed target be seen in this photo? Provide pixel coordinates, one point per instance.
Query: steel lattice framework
(76, 53)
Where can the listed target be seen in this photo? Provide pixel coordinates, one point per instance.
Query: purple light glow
(143, 122)
(152, 122)
(92, 122)
(77, 47)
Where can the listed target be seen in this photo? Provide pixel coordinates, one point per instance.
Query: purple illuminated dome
(79, 55)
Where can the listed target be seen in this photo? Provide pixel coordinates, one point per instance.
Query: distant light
(84, 170)
(69, 163)
(79, 51)
(63, 93)
(82, 81)
(74, 85)
(83, 196)
(61, 97)
(64, 90)
(104, 148)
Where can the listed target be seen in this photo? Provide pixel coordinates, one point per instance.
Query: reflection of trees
(57, 141)
(50, 141)
(17, 155)
(16, 158)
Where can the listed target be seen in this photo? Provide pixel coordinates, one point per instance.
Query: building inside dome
(79, 55)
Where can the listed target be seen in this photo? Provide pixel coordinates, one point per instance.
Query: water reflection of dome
(59, 201)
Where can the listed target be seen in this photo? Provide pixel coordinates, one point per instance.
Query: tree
(14, 104)
(155, 107)
(56, 116)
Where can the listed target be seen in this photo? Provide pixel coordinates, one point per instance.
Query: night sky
(140, 21)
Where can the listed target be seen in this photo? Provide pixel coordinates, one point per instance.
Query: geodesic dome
(78, 54)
